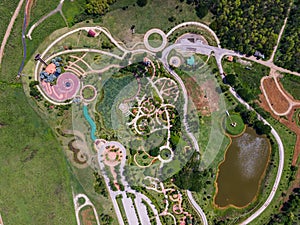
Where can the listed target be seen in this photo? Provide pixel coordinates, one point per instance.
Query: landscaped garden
(234, 124)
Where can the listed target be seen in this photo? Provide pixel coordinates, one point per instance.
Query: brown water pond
(242, 170)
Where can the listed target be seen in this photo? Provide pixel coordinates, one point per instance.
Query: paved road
(79, 207)
(9, 28)
(197, 207)
(219, 54)
(57, 9)
(199, 25)
(280, 165)
(23, 42)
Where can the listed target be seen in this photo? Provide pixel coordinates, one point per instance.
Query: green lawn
(247, 79)
(234, 119)
(7, 8)
(154, 15)
(88, 93)
(291, 84)
(35, 183)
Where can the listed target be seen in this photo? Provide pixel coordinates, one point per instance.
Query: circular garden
(234, 124)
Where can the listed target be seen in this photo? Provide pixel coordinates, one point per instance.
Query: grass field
(155, 14)
(7, 8)
(291, 84)
(234, 130)
(249, 79)
(35, 184)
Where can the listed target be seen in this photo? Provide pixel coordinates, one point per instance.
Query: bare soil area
(277, 100)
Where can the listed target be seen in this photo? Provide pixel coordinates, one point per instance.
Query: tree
(154, 152)
(201, 11)
(249, 117)
(96, 7)
(230, 79)
(261, 128)
(141, 3)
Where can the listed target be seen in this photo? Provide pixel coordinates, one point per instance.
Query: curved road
(197, 207)
(219, 53)
(280, 166)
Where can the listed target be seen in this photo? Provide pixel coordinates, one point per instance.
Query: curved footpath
(280, 166)
(197, 207)
(9, 28)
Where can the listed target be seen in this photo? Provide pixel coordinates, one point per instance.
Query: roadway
(219, 53)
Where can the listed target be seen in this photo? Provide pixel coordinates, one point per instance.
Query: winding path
(57, 9)
(9, 28)
(197, 207)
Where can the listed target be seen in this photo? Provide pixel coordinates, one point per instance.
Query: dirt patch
(289, 122)
(204, 97)
(28, 10)
(77, 156)
(88, 217)
(278, 102)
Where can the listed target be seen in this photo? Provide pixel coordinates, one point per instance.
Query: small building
(230, 58)
(92, 33)
(258, 54)
(51, 68)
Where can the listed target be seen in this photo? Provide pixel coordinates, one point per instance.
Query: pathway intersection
(112, 154)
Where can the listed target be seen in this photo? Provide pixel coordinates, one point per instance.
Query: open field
(155, 14)
(7, 8)
(35, 184)
(246, 79)
(291, 84)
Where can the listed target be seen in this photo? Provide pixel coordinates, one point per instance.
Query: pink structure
(66, 87)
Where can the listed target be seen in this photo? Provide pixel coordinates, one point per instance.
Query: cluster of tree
(240, 88)
(245, 26)
(141, 3)
(34, 92)
(190, 177)
(250, 118)
(290, 213)
(106, 219)
(288, 54)
(99, 184)
(93, 9)
(98, 7)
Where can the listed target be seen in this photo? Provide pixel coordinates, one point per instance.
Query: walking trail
(9, 28)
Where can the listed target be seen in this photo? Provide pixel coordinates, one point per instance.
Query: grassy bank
(35, 184)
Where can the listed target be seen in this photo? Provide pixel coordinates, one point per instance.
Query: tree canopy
(98, 7)
(288, 53)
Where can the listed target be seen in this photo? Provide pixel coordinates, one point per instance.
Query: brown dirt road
(9, 28)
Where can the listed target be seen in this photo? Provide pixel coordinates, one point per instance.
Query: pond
(242, 170)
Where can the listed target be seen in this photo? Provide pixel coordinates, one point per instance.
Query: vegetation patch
(288, 53)
(291, 84)
(234, 124)
(245, 78)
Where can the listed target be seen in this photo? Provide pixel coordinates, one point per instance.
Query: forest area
(245, 26)
(288, 53)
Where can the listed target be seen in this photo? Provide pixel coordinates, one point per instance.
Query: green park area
(88, 93)
(234, 124)
(291, 84)
(245, 77)
(32, 194)
(155, 40)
